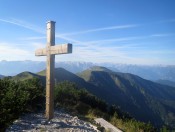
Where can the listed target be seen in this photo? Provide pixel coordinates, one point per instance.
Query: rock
(60, 123)
(43, 122)
(75, 118)
(49, 122)
(87, 125)
(56, 126)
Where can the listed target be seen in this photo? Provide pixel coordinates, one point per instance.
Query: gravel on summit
(62, 122)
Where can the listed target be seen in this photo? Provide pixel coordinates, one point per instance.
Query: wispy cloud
(70, 40)
(101, 29)
(167, 21)
(122, 39)
(162, 35)
(103, 54)
(36, 45)
(122, 50)
(67, 38)
(34, 28)
(23, 24)
(102, 41)
(33, 38)
(11, 52)
(125, 54)
(113, 40)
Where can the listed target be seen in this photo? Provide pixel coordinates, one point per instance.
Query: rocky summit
(62, 122)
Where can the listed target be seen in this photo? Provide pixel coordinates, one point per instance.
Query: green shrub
(69, 95)
(18, 97)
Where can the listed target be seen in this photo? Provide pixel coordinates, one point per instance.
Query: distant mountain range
(1, 76)
(153, 73)
(166, 82)
(144, 100)
(11, 68)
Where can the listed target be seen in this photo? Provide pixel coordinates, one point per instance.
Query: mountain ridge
(154, 72)
(143, 99)
(166, 82)
(131, 93)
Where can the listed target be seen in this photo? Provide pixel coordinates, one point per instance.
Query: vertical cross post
(50, 70)
(50, 51)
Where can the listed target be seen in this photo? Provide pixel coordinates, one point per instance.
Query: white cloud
(36, 45)
(33, 38)
(67, 38)
(92, 51)
(167, 21)
(35, 29)
(23, 24)
(162, 35)
(9, 52)
(14, 52)
(112, 40)
(95, 54)
(107, 41)
(100, 29)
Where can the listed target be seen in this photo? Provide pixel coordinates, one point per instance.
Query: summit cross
(50, 51)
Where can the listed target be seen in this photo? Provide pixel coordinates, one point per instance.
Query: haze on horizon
(118, 31)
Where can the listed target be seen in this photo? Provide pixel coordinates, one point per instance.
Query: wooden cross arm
(61, 49)
(58, 49)
(40, 52)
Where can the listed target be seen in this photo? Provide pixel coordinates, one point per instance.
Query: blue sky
(117, 31)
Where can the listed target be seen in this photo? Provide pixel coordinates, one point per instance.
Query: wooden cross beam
(50, 51)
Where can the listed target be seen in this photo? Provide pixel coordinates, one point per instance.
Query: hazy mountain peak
(24, 76)
(1, 76)
(88, 74)
(99, 68)
(57, 70)
(26, 73)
